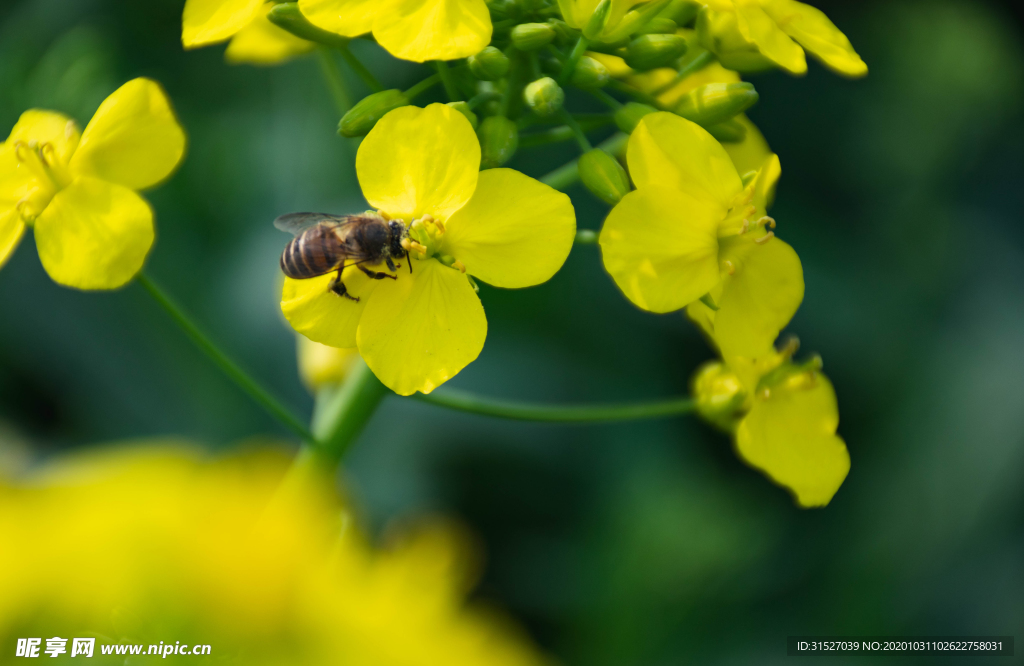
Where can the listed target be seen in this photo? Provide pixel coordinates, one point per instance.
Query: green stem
(638, 95)
(422, 86)
(586, 237)
(368, 78)
(570, 63)
(695, 65)
(524, 411)
(577, 131)
(229, 367)
(449, 83)
(606, 99)
(336, 84)
(566, 175)
(342, 413)
(560, 133)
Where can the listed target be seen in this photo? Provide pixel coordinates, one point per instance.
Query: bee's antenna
(409, 259)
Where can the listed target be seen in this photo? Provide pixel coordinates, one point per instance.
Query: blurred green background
(638, 544)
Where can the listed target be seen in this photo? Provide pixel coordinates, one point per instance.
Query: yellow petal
(418, 161)
(94, 235)
(133, 140)
(349, 18)
(672, 152)
(419, 331)
(657, 78)
(421, 30)
(37, 127)
(320, 314)
(514, 232)
(765, 182)
(261, 42)
(750, 153)
(661, 248)
(790, 435)
(759, 298)
(207, 22)
(758, 27)
(11, 230)
(816, 33)
(16, 180)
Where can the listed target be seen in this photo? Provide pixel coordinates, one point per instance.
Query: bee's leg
(376, 275)
(338, 287)
(392, 266)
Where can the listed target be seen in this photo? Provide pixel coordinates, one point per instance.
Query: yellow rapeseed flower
(692, 230)
(416, 30)
(577, 14)
(77, 190)
(153, 543)
(320, 365)
(422, 166)
(784, 418)
(751, 35)
(254, 39)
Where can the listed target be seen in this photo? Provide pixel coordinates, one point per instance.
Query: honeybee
(325, 243)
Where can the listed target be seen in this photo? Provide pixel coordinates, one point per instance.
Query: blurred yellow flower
(784, 417)
(320, 365)
(77, 190)
(254, 39)
(692, 230)
(751, 35)
(153, 543)
(422, 166)
(416, 30)
(577, 14)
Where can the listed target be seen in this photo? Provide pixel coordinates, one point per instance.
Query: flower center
(48, 174)
(424, 242)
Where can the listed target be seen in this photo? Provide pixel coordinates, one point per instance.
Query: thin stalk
(449, 83)
(221, 360)
(367, 77)
(566, 175)
(587, 237)
(561, 133)
(577, 131)
(638, 95)
(336, 84)
(421, 87)
(606, 99)
(525, 411)
(698, 63)
(574, 57)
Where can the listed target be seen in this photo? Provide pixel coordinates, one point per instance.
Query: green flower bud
(598, 20)
(499, 138)
(630, 114)
(682, 12)
(651, 51)
(544, 96)
(489, 65)
(532, 36)
(719, 395)
(658, 26)
(603, 176)
(729, 131)
(361, 118)
(589, 74)
(463, 108)
(716, 102)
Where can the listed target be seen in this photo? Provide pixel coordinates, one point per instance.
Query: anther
(384, 215)
(767, 221)
(419, 247)
(764, 239)
(440, 226)
(745, 226)
(458, 264)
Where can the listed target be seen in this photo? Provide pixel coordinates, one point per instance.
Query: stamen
(745, 227)
(730, 267)
(383, 215)
(458, 264)
(767, 221)
(764, 239)
(440, 227)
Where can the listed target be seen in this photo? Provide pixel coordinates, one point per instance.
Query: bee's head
(398, 232)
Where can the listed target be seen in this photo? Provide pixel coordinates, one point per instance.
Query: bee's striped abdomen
(311, 253)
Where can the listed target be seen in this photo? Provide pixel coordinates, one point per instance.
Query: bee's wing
(296, 223)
